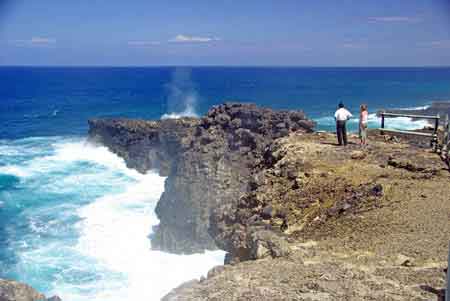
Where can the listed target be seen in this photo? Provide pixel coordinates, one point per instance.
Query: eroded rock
(15, 291)
(208, 162)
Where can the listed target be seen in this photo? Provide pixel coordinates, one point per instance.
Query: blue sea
(75, 221)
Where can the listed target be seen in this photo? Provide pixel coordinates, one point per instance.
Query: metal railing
(433, 136)
(445, 150)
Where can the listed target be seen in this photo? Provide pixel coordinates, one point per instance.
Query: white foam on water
(111, 258)
(115, 231)
(415, 108)
(400, 123)
(189, 111)
(65, 152)
(14, 170)
(86, 152)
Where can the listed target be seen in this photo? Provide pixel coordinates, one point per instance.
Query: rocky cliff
(209, 163)
(341, 223)
(356, 223)
(16, 291)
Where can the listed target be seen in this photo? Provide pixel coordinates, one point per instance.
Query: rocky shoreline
(260, 184)
(299, 217)
(209, 163)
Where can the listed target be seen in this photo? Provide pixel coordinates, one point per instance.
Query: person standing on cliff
(341, 116)
(363, 120)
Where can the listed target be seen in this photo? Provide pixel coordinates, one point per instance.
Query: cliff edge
(360, 224)
(299, 217)
(208, 163)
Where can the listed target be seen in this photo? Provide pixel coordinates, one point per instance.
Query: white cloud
(143, 43)
(394, 19)
(41, 40)
(439, 44)
(355, 45)
(192, 39)
(34, 41)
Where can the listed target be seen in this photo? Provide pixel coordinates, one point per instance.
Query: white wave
(188, 112)
(111, 258)
(63, 153)
(14, 170)
(401, 123)
(114, 232)
(81, 151)
(31, 146)
(415, 108)
(7, 150)
(99, 251)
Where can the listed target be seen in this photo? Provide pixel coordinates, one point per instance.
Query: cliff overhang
(210, 163)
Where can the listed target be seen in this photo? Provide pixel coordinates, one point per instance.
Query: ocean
(75, 221)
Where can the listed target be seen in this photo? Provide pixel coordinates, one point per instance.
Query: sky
(225, 32)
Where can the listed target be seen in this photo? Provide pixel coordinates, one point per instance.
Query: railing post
(436, 123)
(435, 141)
(447, 144)
(447, 293)
(445, 140)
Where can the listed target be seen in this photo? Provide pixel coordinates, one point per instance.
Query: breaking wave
(77, 223)
(400, 123)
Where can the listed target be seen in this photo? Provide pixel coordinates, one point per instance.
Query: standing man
(341, 116)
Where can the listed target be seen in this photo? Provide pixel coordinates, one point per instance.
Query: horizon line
(223, 66)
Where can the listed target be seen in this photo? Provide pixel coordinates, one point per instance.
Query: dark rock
(268, 212)
(377, 190)
(209, 163)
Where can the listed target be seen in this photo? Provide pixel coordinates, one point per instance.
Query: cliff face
(359, 223)
(208, 163)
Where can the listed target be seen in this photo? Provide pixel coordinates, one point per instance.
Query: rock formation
(208, 163)
(356, 224)
(16, 291)
(372, 227)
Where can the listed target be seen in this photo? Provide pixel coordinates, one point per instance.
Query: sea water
(76, 222)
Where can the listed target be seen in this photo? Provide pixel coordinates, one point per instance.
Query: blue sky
(225, 32)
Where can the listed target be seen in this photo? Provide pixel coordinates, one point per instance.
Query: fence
(445, 150)
(433, 136)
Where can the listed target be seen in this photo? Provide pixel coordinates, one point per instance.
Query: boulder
(265, 243)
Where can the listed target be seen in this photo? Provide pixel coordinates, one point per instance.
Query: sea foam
(88, 219)
(400, 123)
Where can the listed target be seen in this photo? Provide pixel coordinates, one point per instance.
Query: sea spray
(182, 96)
(79, 221)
